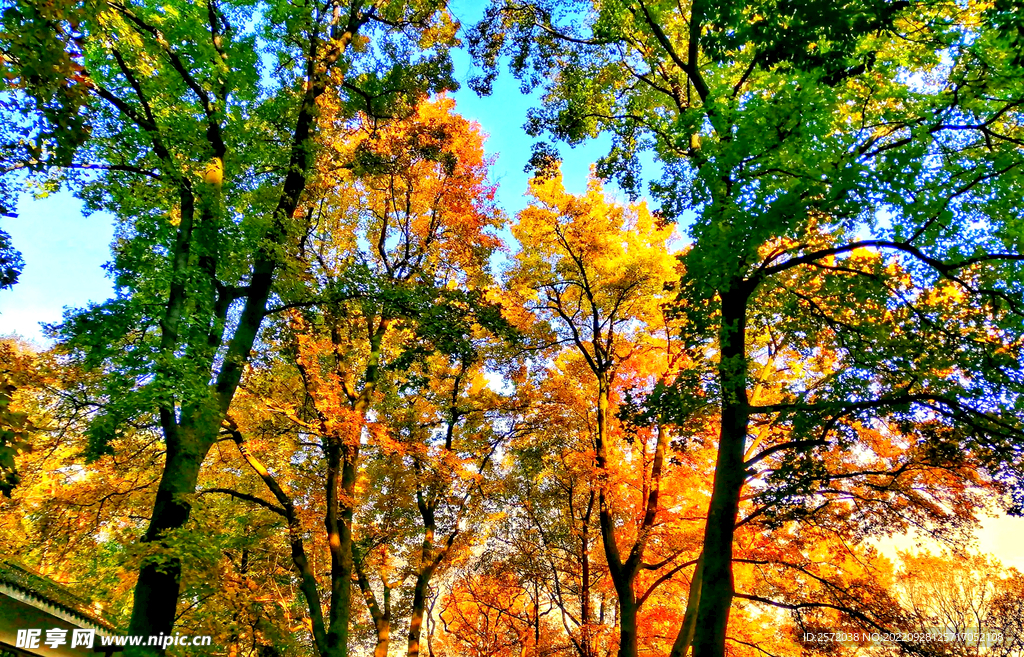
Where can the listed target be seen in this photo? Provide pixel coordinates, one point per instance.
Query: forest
(344, 402)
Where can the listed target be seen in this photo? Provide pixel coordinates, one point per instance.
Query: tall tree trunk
(419, 604)
(157, 590)
(717, 582)
(628, 643)
(342, 472)
(341, 479)
(158, 587)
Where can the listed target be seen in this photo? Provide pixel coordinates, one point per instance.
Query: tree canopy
(342, 395)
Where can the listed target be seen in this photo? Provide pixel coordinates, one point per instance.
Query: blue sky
(65, 251)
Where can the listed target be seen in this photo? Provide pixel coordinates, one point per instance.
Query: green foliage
(17, 370)
(11, 262)
(15, 430)
(44, 82)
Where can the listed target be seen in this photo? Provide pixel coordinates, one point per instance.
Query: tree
(486, 616)
(447, 435)
(968, 596)
(396, 257)
(549, 534)
(800, 135)
(597, 273)
(195, 125)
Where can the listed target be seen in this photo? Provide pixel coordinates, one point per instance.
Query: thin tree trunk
(620, 579)
(717, 581)
(536, 618)
(585, 602)
(432, 557)
(623, 573)
(428, 563)
(381, 619)
(685, 637)
(307, 580)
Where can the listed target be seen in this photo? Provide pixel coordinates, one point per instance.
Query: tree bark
(717, 581)
(419, 604)
(628, 645)
(586, 612)
(429, 561)
(339, 543)
(381, 619)
(685, 637)
(157, 590)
